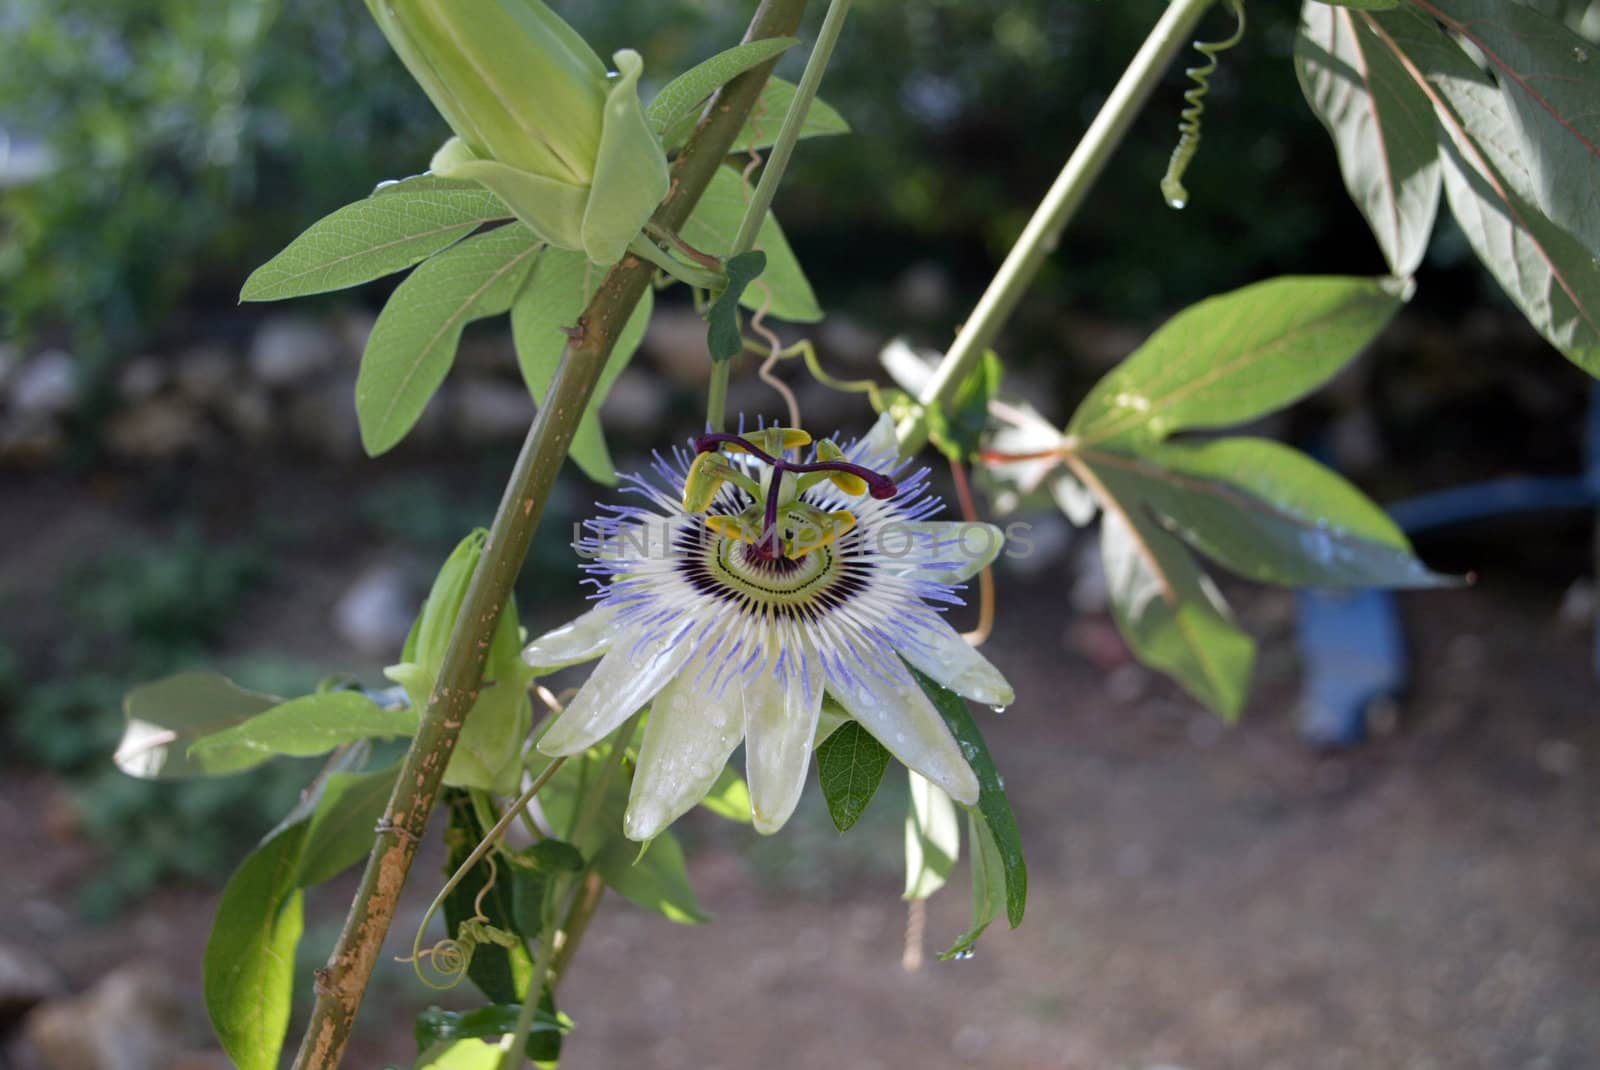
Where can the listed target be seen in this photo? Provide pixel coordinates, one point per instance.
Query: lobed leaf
(761, 129)
(712, 229)
(249, 959)
(1382, 128)
(401, 224)
(1237, 356)
(722, 320)
(413, 343)
(1489, 183)
(850, 766)
(1268, 512)
(165, 717)
(1170, 613)
(306, 726)
(1549, 81)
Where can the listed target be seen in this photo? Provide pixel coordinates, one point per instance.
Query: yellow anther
(821, 529)
(848, 482)
(730, 527)
(706, 476)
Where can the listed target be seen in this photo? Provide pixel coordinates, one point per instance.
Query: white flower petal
(580, 640)
(953, 662)
(890, 705)
(627, 677)
(942, 551)
(880, 444)
(780, 718)
(694, 726)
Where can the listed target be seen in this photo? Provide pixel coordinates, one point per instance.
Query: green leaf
(306, 726)
(722, 320)
(1171, 614)
(500, 973)
(659, 881)
(1364, 5)
(403, 224)
(556, 294)
(957, 427)
(413, 343)
(988, 888)
(436, 1025)
(249, 959)
(933, 838)
(1382, 128)
(850, 765)
(1268, 512)
(344, 824)
(1549, 80)
(680, 100)
(993, 806)
(761, 129)
(469, 1053)
(714, 225)
(1548, 273)
(1232, 358)
(166, 716)
(729, 797)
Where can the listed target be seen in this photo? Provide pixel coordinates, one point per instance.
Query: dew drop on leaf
(964, 956)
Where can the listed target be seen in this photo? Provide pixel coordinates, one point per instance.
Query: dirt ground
(1201, 897)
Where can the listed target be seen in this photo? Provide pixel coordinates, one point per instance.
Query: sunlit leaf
(1549, 80)
(1170, 612)
(850, 766)
(1266, 511)
(933, 838)
(405, 223)
(166, 716)
(436, 1026)
(712, 229)
(1237, 356)
(306, 726)
(413, 343)
(249, 959)
(1489, 182)
(761, 129)
(957, 426)
(729, 797)
(1382, 128)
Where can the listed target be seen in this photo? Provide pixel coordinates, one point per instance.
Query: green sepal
(630, 170)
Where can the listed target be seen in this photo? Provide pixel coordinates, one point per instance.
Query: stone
(205, 374)
(160, 428)
(132, 1019)
(636, 404)
(46, 385)
(375, 612)
(486, 410)
(289, 350)
(141, 379)
(26, 980)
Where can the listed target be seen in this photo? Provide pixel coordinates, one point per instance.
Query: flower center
(779, 525)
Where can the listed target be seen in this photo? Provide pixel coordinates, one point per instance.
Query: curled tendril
(1189, 124)
(450, 958)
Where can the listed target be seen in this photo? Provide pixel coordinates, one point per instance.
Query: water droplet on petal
(965, 955)
(999, 709)
(1172, 202)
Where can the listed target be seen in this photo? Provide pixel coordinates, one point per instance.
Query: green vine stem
(342, 983)
(767, 186)
(1066, 194)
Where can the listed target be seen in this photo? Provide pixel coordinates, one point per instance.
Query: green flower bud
(537, 119)
(488, 753)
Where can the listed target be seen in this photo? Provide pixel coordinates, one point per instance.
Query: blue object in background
(1351, 644)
